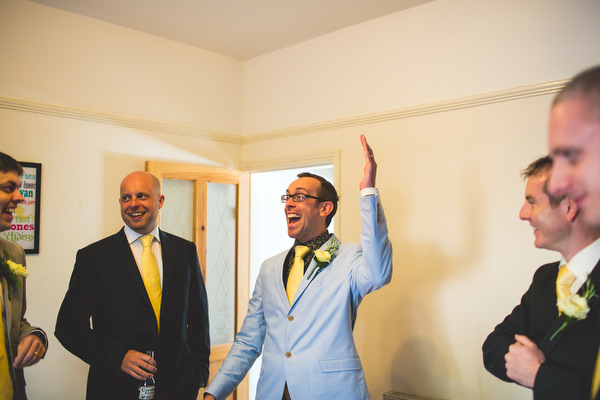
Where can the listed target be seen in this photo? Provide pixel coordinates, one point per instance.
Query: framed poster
(25, 229)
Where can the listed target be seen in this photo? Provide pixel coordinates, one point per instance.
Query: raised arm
(375, 267)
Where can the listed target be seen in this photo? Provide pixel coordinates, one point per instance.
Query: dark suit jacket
(570, 356)
(14, 319)
(106, 285)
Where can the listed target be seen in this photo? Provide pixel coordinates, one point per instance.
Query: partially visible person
(143, 290)
(21, 345)
(574, 140)
(525, 348)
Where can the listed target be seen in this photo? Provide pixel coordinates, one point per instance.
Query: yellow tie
(6, 389)
(596, 378)
(564, 281)
(150, 275)
(296, 273)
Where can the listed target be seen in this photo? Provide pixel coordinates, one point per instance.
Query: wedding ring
(36, 353)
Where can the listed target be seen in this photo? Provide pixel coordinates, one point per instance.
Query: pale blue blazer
(309, 344)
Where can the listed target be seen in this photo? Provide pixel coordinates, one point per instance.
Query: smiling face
(140, 201)
(574, 139)
(10, 197)
(551, 225)
(306, 220)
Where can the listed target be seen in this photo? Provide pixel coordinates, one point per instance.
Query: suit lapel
(6, 310)
(277, 279)
(6, 301)
(126, 261)
(169, 254)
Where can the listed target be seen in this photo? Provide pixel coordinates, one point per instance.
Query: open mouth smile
(292, 217)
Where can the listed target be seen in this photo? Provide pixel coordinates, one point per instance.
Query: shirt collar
(582, 263)
(132, 235)
(316, 242)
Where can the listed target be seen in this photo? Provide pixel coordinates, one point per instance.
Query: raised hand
(370, 171)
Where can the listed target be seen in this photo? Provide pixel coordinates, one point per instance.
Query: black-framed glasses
(298, 197)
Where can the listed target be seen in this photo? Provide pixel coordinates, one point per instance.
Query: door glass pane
(177, 213)
(220, 260)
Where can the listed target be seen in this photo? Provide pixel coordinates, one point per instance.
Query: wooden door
(210, 206)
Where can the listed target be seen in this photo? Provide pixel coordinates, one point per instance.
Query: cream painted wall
(67, 60)
(441, 50)
(449, 181)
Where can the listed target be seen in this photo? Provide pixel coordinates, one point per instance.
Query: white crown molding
(128, 122)
(517, 93)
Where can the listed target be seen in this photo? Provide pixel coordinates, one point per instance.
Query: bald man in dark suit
(107, 285)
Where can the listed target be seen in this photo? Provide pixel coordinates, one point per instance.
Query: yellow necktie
(596, 378)
(6, 389)
(564, 281)
(150, 276)
(296, 273)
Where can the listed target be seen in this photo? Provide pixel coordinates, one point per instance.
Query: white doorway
(268, 231)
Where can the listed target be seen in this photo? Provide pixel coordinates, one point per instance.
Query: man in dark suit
(129, 315)
(525, 348)
(23, 345)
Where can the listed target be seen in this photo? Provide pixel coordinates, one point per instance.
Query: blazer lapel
(6, 310)
(276, 278)
(169, 260)
(126, 261)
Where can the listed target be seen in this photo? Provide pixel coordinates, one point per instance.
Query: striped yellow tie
(150, 276)
(296, 273)
(6, 388)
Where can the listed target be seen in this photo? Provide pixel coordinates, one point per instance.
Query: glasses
(298, 197)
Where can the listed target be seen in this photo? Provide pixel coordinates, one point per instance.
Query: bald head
(140, 201)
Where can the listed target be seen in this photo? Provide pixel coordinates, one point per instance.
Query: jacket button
(288, 354)
(291, 318)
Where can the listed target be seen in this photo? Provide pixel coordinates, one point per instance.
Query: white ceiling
(241, 29)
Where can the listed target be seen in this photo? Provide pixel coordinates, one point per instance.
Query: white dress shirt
(582, 264)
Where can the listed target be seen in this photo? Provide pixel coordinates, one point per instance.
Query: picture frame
(25, 229)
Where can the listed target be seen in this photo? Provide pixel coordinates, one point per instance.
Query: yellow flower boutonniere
(11, 271)
(575, 308)
(324, 257)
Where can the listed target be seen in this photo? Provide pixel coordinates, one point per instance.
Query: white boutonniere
(575, 308)
(324, 257)
(11, 271)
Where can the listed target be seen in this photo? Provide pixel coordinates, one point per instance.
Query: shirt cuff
(42, 335)
(370, 191)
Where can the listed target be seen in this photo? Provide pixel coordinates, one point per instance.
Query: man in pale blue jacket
(303, 321)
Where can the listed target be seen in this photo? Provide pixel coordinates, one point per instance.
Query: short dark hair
(326, 192)
(586, 86)
(8, 164)
(543, 165)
